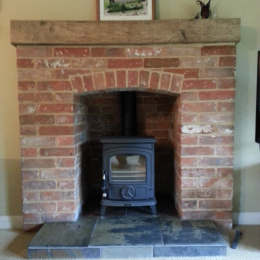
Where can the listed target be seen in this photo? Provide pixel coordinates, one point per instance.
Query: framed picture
(125, 10)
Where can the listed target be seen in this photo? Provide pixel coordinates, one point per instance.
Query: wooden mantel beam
(177, 31)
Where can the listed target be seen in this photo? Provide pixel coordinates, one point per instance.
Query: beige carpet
(13, 246)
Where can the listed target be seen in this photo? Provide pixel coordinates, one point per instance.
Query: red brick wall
(155, 118)
(53, 123)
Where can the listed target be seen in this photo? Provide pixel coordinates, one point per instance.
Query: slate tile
(127, 252)
(76, 253)
(127, 231)
(177, 232)
(39, 253)
(189, 251)
(64, 234)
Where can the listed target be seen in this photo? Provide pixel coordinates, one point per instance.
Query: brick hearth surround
(52, 83)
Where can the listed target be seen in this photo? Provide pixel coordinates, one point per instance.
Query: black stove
(128, 164)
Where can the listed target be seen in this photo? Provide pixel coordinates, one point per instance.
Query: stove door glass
(128, 168)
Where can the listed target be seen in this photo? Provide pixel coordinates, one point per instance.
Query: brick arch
(120, 79)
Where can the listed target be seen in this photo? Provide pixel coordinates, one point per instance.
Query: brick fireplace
(68, 90)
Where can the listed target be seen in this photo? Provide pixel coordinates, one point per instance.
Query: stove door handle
(104, 177)
(104, 181)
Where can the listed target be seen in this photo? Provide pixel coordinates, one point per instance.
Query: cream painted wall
(247, 154)
(10, 179)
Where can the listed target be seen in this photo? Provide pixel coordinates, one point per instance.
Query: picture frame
(125, 10)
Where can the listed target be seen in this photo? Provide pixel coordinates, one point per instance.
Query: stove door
(129, 174)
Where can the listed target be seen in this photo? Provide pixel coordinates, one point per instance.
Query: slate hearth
(134, 235)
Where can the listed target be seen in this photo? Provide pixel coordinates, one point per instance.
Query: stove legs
(153, 210)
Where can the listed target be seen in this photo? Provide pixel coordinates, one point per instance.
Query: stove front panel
(128, 172)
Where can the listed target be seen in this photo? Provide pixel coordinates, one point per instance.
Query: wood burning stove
(128, 173)
(128, 164)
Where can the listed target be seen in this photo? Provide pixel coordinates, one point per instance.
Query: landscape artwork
(124, 10)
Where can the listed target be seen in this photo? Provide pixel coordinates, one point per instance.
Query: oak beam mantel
(177, 31)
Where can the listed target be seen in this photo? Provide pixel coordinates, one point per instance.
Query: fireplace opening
(154, 116)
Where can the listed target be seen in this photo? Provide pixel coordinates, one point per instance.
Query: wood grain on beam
(133, 32)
